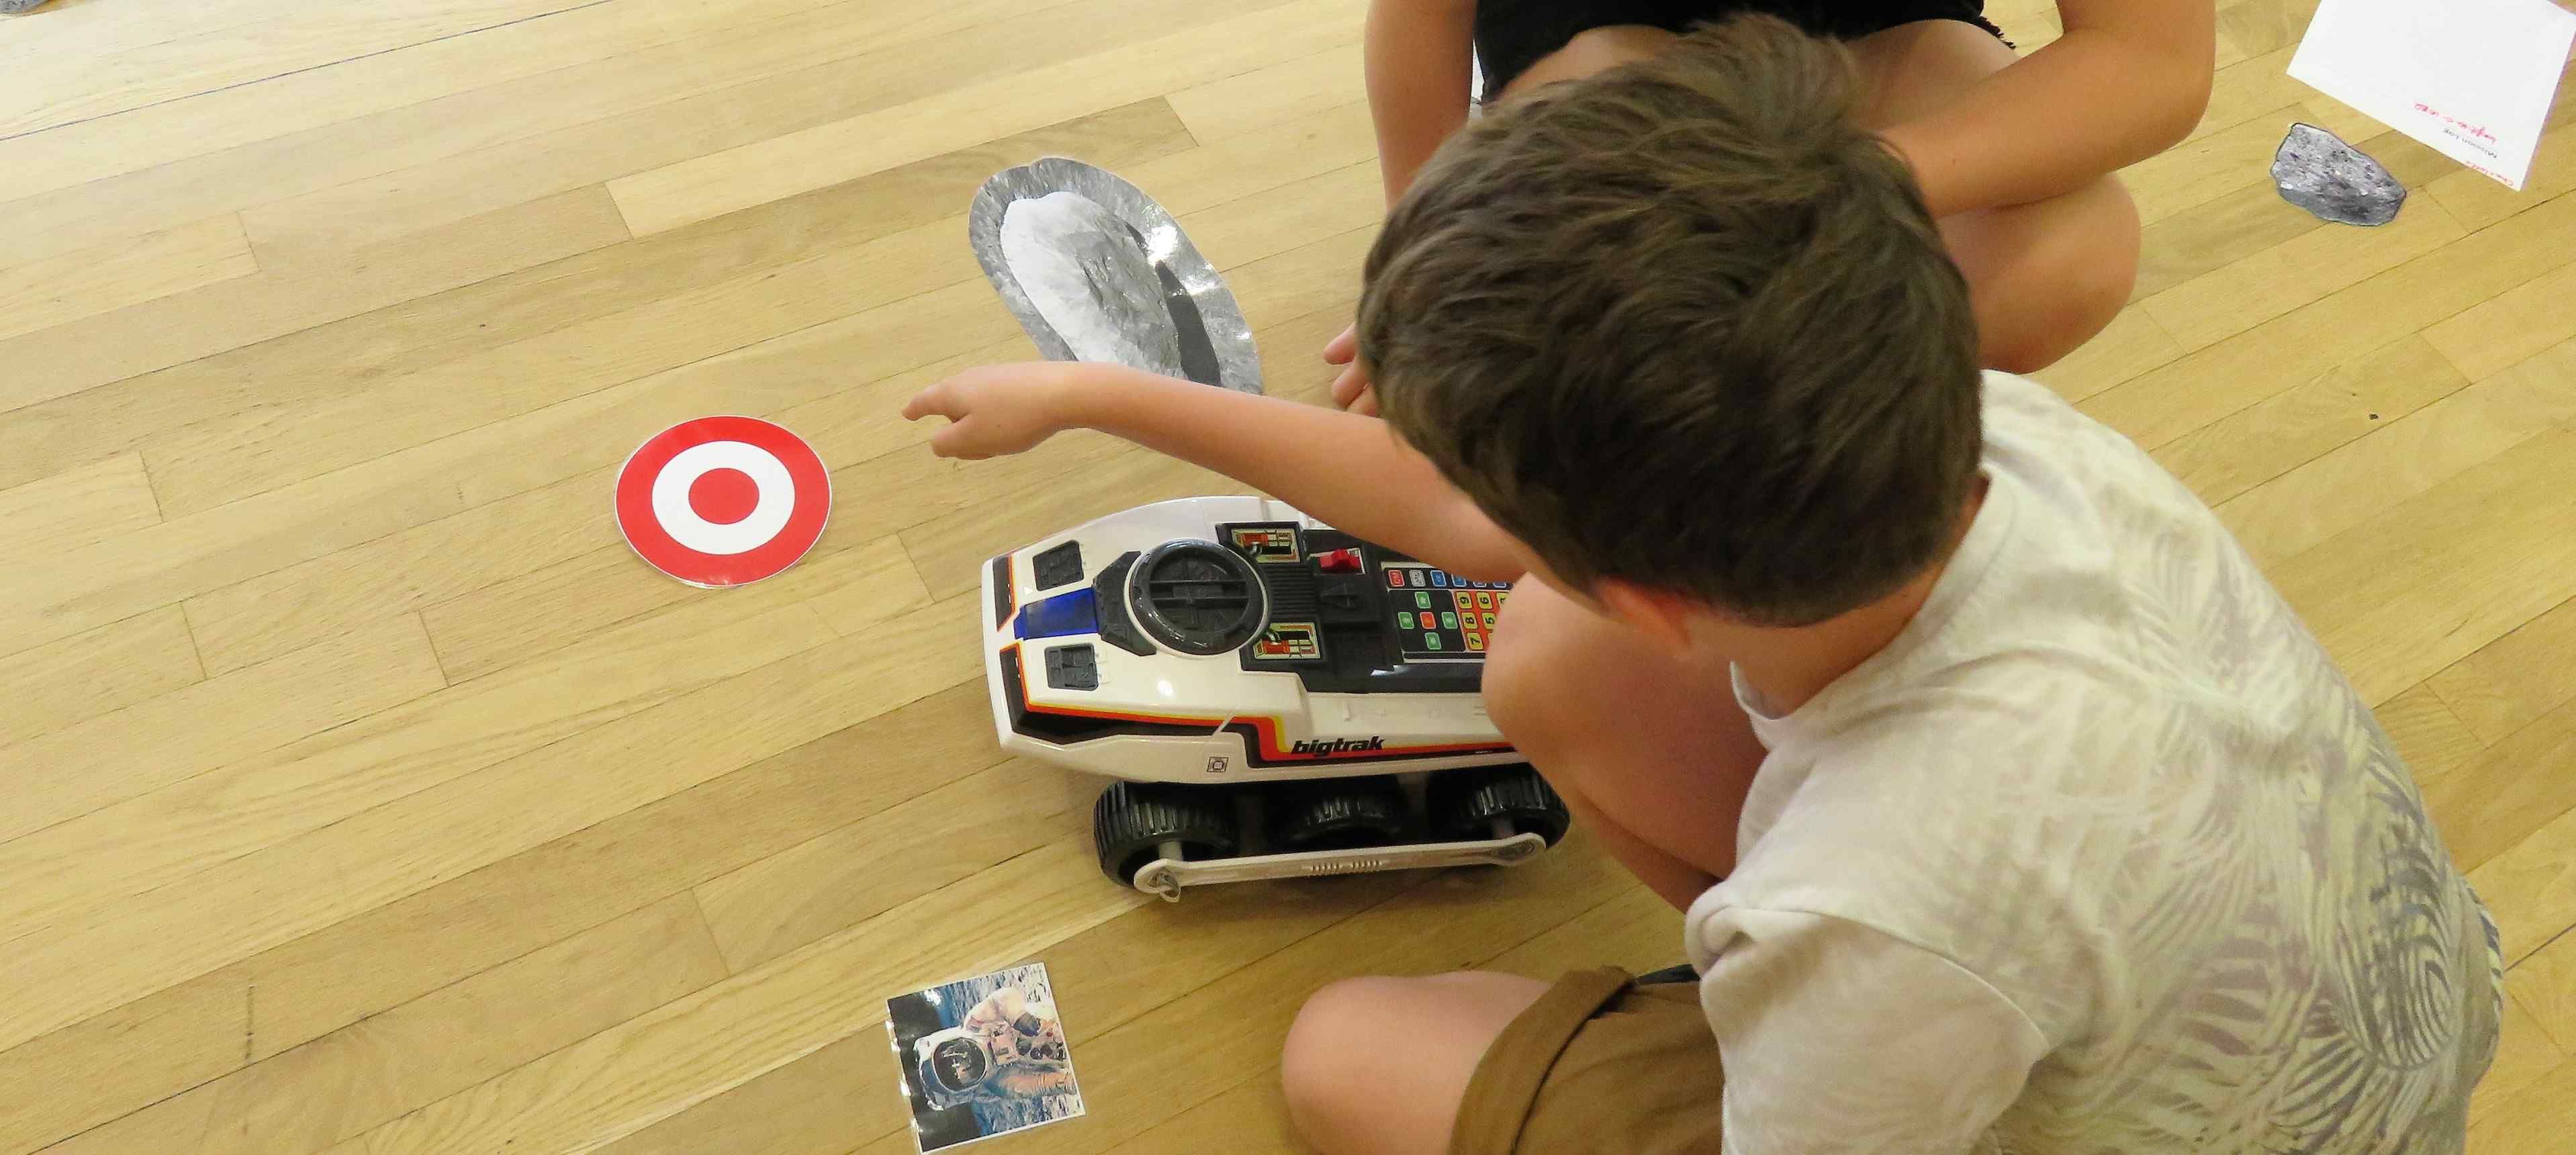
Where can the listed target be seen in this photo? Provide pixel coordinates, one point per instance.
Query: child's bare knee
(1314, 1069)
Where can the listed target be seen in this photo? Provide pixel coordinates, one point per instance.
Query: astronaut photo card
(982, 1057)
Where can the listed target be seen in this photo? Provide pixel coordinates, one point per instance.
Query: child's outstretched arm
(1419, 53)
(1346, 469)
(2128, 80)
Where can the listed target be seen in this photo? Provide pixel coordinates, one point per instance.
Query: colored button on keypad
(1421, 600)
(1395, 578)
(1431, 641)
(1403, 620)
(1448, 621)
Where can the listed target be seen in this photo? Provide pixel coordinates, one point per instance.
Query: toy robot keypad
(1441, 616)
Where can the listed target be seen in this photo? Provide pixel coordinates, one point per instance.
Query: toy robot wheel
(1339, 814)
(1135, 823)
(1496, 802)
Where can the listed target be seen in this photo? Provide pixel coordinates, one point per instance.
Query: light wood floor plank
(2534, 1122)
(260, 801)
(112, 757)
(809, 1107)
(2531, 888)
(748, 84)
(2263, 285)
(2510, 327)
(201, 322)
(2494, 801)
(2184, 395)
(343, 1083)
(64, 89)
(782, 78)
(2295, 427)
(125, 1059)
(649, 1068)
(2426, 733)
(2399, 611)
(841, 878)
(218, 460)
(2544, 984)
(77, 507)
(1246, 103)
(625, 31)
(86, 282)
(2523, 1056)
(2413, 454)
(57, 686)
(168, 935)
(749, 175)
(2510, 682)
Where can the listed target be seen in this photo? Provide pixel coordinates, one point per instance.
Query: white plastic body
(1212, 692)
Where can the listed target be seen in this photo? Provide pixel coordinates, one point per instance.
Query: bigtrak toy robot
(1277, 698)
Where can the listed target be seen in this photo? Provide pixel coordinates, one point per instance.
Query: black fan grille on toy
(1197, 596)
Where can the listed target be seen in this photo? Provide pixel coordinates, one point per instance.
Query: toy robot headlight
(957, 1064)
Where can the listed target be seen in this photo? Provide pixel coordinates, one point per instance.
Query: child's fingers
(954, 441)
(938, 400)
(1344, 349)
(1366, 406)
(1348, 387)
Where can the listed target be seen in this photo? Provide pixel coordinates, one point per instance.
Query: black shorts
(1511, 35)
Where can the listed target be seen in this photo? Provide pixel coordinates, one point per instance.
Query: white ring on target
(671, 497)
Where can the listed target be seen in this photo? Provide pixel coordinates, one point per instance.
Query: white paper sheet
(2471, 78)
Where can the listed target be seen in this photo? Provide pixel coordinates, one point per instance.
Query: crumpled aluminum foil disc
(2317, 171)
(1096, 271)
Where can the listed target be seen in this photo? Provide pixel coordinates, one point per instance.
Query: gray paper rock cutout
(2334, 180)
(1096, 271)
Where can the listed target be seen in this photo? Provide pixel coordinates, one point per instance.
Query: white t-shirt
(2100, 855)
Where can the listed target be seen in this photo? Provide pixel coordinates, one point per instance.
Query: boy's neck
(1789, 667)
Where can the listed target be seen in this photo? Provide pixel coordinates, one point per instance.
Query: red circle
(644, 532)
(724, 496)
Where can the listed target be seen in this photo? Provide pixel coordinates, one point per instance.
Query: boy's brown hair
(1686, 324)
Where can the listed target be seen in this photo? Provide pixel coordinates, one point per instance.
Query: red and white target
(723, 501)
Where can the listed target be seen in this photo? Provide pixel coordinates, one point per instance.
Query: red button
(1395, 577)
(1340, 561)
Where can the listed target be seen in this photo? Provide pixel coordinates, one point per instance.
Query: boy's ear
(1665, 617)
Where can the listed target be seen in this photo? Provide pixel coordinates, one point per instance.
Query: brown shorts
(1598, 1063)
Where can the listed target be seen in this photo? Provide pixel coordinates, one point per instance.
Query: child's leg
(1380, 1065)
(2045, 276)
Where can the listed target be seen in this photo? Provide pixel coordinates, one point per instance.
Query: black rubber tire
(1463, 804)
(1339, 814)
(1132, 820)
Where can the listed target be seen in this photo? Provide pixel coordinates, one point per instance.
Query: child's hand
(1351, 390)
(996, 410)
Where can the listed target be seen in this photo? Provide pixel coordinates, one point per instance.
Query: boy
(2013, 155)
(2010, 808)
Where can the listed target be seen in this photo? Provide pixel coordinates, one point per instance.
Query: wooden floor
(364, 793)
